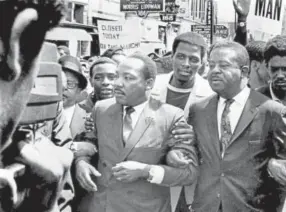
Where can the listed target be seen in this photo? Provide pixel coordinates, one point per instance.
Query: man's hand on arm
(182, 132)
(84, 174)
(277, 170)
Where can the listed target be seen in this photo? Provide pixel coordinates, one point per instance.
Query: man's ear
(150, 83)
(254, 65)
(245, 71)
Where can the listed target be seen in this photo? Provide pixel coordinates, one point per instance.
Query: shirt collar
(273, 96)
(138, 108)
(240, 98)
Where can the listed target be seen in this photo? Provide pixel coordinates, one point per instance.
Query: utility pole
(210, 19)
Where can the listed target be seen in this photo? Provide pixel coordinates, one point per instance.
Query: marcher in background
(133, 175)
(63, 50)
(102, 76)
(76, 83)
(274, 56)
(259, 75)
(115, 53)
(238, 133)
(183, 87)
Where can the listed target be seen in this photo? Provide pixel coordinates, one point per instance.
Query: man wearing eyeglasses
(76, 83)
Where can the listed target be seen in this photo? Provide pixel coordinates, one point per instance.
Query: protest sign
(125, 34)
(265, 18)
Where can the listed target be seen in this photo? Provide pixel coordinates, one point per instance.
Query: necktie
(225, 127)
(127, 123)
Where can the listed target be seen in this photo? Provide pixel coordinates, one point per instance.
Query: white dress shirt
(69, 114)
(138, 109)
(235, 109)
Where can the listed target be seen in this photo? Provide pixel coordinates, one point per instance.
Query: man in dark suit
(238, 131)
(134, 136)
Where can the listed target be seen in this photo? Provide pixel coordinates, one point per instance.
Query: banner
(265, 18)
(125, 34)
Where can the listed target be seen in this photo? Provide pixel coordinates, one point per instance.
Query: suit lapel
(211, 122)
(116, 122)
(248, 113)
(145, 119)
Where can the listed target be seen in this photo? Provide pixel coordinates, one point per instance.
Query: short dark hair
(150, 68)
(99, 61)
(255, 50)
(275, 47)
(190, 38)
(112, 51)
(65, 49)
(242, 54)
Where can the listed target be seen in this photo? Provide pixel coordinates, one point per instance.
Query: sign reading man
(265, 18)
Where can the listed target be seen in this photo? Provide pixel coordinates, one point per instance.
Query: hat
(72, 64)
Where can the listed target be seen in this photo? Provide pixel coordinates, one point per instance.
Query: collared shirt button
(222, 174)
(218, 195)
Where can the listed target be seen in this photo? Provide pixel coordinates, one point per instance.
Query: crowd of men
(199, 138)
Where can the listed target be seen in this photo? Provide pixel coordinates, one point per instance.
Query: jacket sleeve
(61, 133)
(87, 150)
(181, 176)
(279, 130)
(241, 35)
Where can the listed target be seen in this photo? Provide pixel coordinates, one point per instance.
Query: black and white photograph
(143, 105)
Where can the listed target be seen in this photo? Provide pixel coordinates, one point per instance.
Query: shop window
(83, 48)
(78, 13)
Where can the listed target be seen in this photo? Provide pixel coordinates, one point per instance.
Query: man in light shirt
(239, 132)
(76, 83)
(134, 136)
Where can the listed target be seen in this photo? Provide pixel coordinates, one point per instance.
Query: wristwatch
(241, 24)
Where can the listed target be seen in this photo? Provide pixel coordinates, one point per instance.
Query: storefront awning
(62, 33)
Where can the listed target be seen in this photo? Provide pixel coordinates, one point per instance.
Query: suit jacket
(148, 143)
(239, 181)
(265, 90)
(201, 89)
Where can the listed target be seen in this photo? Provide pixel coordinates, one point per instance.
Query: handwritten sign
(125, 34)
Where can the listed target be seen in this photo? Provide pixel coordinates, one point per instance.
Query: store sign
(125, 34)
(145, 5)
(168, 18)
(205, 30)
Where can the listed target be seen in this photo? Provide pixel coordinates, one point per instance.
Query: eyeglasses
(71, 84)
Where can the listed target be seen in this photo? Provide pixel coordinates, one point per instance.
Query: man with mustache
(134, 135)
(239, 132)
(275, 55)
